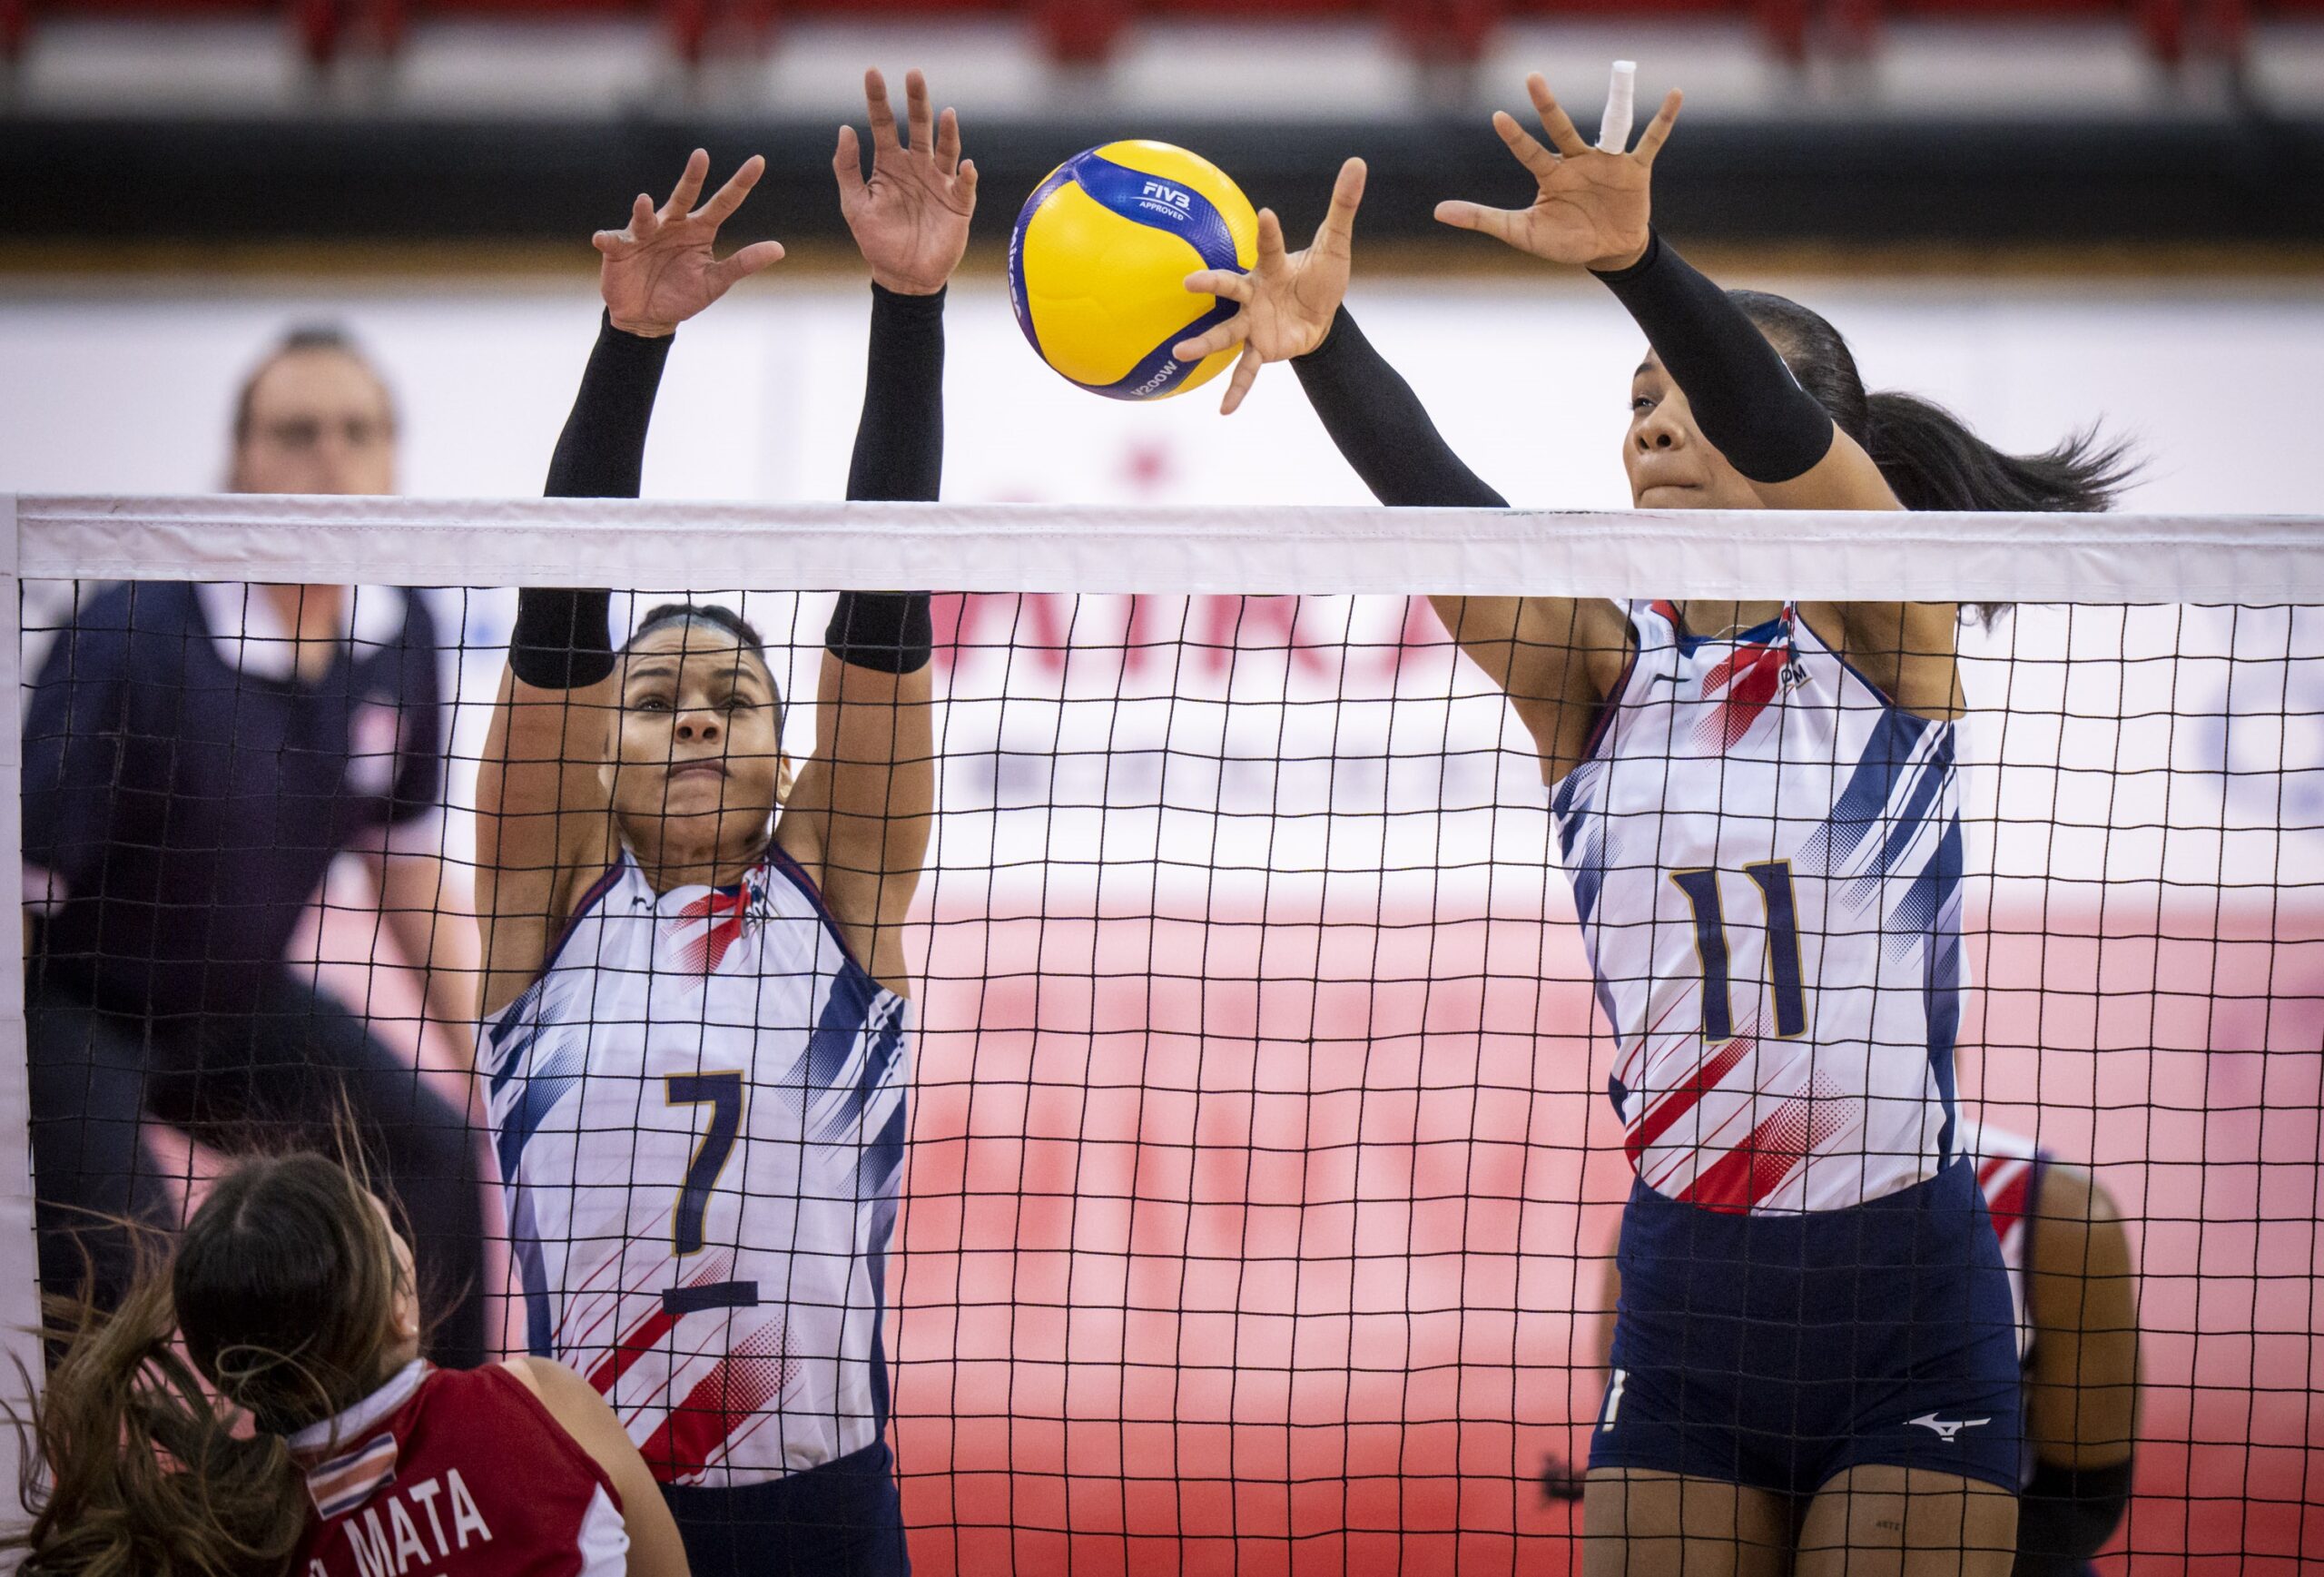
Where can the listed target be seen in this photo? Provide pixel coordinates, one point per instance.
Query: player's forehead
(695, 649)
(317, 379)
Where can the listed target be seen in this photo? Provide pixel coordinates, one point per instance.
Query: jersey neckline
(340, 1427)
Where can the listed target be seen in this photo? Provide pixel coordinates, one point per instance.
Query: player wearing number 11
(1815, 1368)
(695, 1037)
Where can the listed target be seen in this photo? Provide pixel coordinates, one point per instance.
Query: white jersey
(699, 1111)
(1766, 858)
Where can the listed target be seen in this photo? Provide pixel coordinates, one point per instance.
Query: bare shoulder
(571, 1400)
(1569, 658)
(552, 1381)
(523, 1368)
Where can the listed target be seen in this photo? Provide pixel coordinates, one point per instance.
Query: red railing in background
(314, 24)
(1086, 31)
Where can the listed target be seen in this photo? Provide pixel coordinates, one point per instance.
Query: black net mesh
(1240, 1187)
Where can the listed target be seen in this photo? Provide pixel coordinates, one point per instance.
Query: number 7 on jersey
(723, 1093)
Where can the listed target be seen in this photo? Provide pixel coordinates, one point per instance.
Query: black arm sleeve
(898, 457)
(900, 441)
(1380, 427)
(562, 640)
(1744, 397)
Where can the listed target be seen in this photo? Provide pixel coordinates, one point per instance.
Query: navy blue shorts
(1779, 1351)
(843, 1518)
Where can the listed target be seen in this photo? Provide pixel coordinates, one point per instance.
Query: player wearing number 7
(1815, 1367)
(695, 1036)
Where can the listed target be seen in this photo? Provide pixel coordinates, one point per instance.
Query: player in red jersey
(257, 1407)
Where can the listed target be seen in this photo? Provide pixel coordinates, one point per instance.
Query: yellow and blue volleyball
(1098, 266)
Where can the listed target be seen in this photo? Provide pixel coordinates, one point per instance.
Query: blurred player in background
(2075, 1289)
(1815, 1368)
(258, 1407)
(196, 758)
(2073, 1283)
(696, 977)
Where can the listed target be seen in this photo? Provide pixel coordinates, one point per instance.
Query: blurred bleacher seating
(1086, 32)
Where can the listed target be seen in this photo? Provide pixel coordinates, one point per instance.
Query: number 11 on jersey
(1773, 878)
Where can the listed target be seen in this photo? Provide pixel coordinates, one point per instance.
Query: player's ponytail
(1928, 455)
(1934, 462)
(282, 1290)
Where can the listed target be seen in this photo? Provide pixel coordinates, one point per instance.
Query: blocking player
(695, 983)
(1815, 1369)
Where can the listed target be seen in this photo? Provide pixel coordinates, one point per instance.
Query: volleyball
(1099, 262)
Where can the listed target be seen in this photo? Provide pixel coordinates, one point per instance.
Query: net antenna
(20, 1312)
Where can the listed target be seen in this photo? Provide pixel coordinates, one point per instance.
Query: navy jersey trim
(1689, 644)
(780, 858)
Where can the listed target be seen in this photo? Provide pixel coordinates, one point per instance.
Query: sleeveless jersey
(455, 1473)
(1766, 860)
(699, 1111)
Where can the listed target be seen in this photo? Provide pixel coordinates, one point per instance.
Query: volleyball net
(1259, 1181)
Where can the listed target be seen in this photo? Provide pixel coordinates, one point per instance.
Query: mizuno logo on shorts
(1946, 1428)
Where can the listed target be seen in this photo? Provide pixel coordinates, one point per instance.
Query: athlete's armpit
(1908, 651)
(1557, 659)
(861, 818)
(544, 828)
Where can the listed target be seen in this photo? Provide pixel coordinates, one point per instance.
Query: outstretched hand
(910, 219)
(1288, 299)
(663, 269)
(1591, 207)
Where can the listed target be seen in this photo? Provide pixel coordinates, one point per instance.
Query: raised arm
(1555, 657)
(1592, 209)
(860, 816)
(543, 826)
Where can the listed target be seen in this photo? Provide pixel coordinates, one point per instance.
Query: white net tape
(1000, 547)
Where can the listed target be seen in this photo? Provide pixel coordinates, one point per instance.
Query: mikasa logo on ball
(1168, 199)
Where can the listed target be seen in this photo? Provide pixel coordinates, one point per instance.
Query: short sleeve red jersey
(445, 1473)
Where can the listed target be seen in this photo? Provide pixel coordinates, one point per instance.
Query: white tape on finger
(1621, 102)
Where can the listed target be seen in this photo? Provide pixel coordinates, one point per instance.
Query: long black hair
(1929, 454)
(282, 1288)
